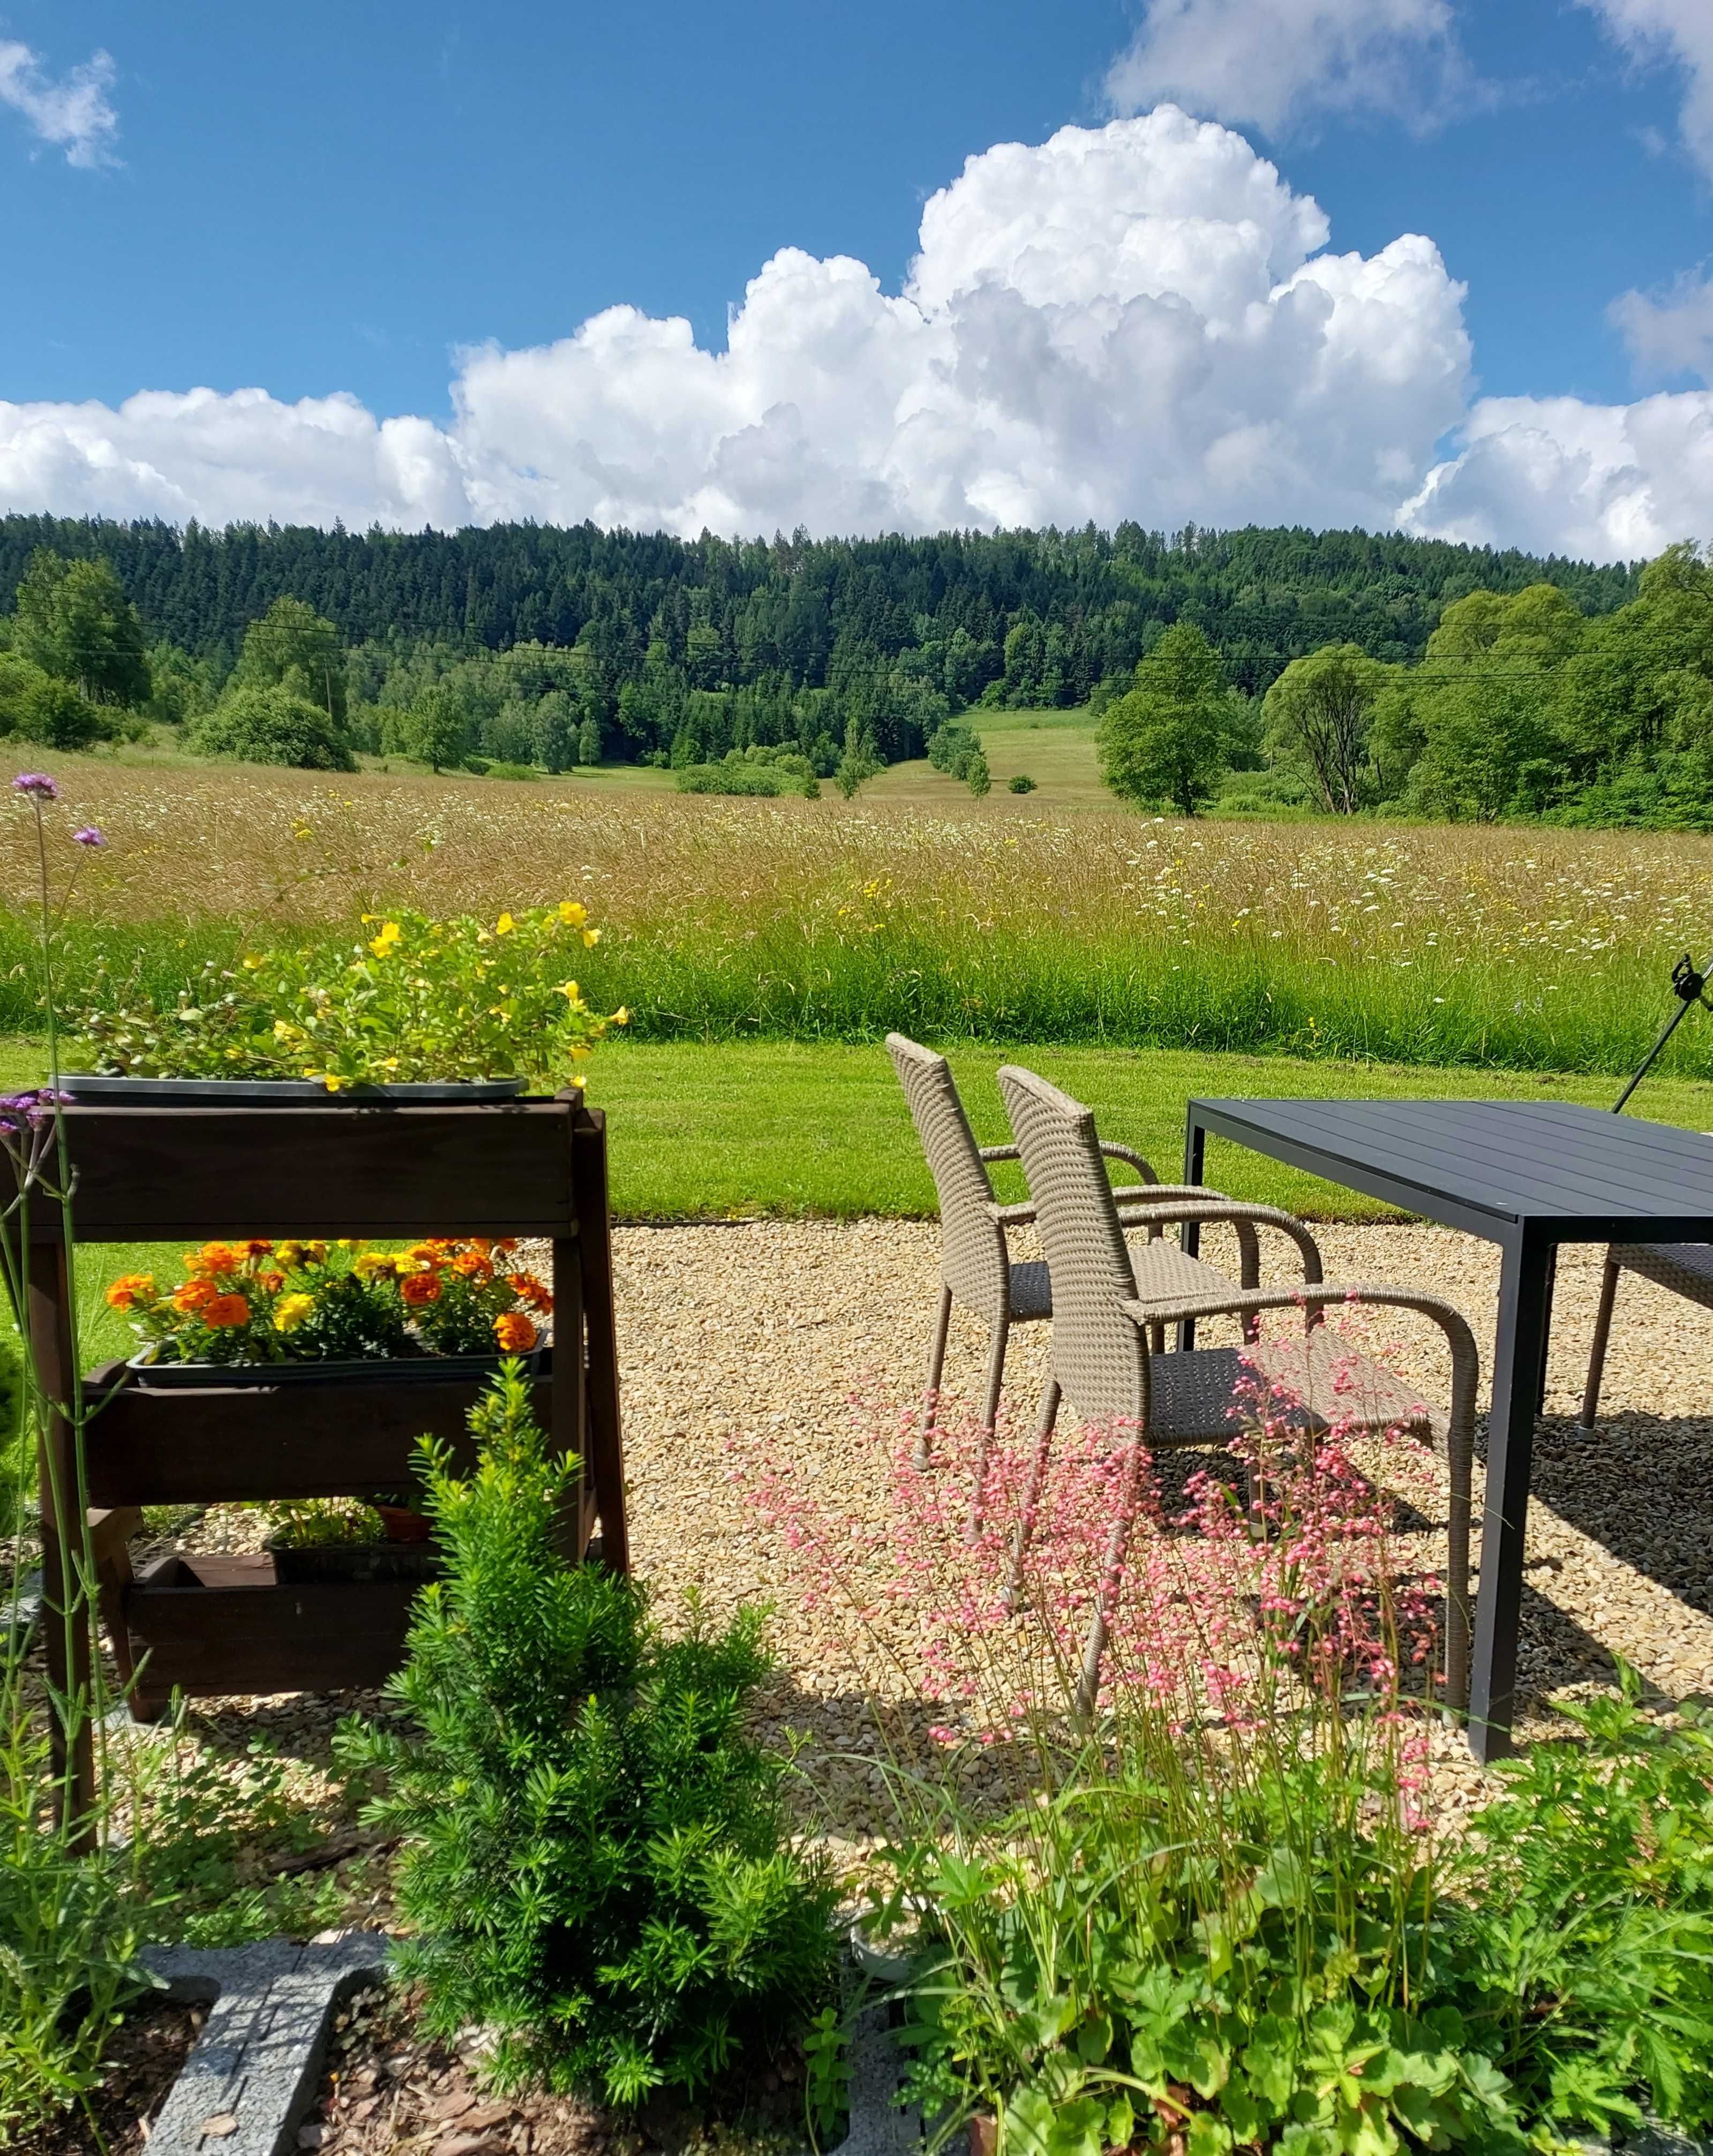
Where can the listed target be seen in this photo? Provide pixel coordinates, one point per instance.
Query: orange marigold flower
(515, 1332)
(226, 1309)
(507, 1242)
(130, 1289)
(420, 1287)
(472, 1265)
(195, 1295)
(214, 1259)
(258, 1246)
(427, 1253)
(270, 1282)
(528, 1289)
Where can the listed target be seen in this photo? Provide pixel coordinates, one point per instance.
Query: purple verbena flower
(91, 834)
(37, 782)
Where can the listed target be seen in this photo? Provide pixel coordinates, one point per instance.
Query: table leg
(1190, 1231)
(1546, 1327)
(1525, 1294)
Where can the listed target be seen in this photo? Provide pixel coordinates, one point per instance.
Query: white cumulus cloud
(1142, 319)
(1277, 62)
(1672, 333)
(1557, 476)
(74, 112)
(1679, 31)
(1136, 320)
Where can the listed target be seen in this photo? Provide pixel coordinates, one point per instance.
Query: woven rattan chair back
(1099, 1353)
(974, 1262)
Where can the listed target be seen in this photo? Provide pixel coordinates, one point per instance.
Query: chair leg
(1031, 1497)
(1112, 1574)
(990, 1424)
(1457, 1579)
(1596, 1353)
(936, 1364)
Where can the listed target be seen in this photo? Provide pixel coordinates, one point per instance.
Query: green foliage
(951, 747)
(68, 1940)
(434, 731)
(1222, 1949)
(293, 645)
(1319, 712)
(271, 725)
(977, 777)
(596, 1860)
(1584, 1961)
(766, 773)
(419, 999)
(1170, 737)
(513, 770)
(73, 620)
(1020, 784)
(1245, 1951)
(55, 714)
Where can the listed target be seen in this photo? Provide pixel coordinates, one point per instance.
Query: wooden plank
(606, 1447)
(213, 1626)
(293, 1442)
(144, 1174)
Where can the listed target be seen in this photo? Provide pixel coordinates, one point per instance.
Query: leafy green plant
(1581, 1947)
(69, 1939)
(826, 2083)
(1022, 784)
(596, 1855)
(419, 998)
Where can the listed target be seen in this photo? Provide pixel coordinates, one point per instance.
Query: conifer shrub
(597, 1860)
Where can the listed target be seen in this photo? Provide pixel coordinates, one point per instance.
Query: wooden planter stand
(214, 1623)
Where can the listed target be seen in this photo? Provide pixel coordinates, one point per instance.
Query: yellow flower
(621, 1016)
(504, 925)
(291, 1311)
(372, 1266)
(591, 937)
(381, 945)
(571, 914)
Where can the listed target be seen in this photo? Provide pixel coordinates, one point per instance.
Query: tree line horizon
(1277, 670)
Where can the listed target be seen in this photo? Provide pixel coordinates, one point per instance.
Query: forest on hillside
(1275, 670)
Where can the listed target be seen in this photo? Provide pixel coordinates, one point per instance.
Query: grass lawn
(715, 1130)
(1054, 748)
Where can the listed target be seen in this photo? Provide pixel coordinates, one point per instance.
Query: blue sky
(338, 199)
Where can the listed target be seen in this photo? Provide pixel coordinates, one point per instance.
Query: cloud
(1672, 334)
(1679, 31)
(1137, 320)
(1556, 475)
(1277, 63)
(73, 114)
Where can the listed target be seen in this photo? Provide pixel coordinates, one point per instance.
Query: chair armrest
(1465, 1364)
(1115, 1151)
(1010, 1216)
(1157, 1193)
(1254, 1216)
(1000, 1152)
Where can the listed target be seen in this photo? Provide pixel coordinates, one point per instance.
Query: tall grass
(1528, 949)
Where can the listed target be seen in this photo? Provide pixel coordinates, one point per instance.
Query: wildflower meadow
(1532, 949)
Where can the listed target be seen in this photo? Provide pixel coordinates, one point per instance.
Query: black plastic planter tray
(90, 1090)
(403, 1369)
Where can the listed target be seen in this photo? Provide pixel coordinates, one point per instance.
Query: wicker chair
(1102, 1364)
(1685, 1268)
(976, 1267)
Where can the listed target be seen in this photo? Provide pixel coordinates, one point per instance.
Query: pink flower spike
(36, 783)
(90, 835)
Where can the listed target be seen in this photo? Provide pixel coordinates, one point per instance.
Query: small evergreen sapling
(597, 1860)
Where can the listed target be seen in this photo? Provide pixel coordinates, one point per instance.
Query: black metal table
(1527, 1175)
